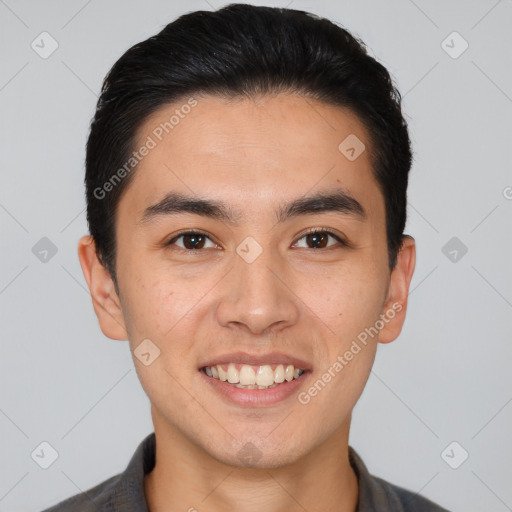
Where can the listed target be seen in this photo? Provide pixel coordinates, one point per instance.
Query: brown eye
(319, 239)
(191, 240)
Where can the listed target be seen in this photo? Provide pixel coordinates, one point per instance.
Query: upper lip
(256, 360)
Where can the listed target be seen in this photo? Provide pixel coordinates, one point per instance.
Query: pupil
(196, 241)
(316, 238)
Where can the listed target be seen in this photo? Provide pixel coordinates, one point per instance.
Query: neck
(186, 478)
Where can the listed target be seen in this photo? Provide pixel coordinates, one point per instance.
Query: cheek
(346, 353)
(161, 310)
(351, 309)
(359, 309)
(154, 297)
(153, 307)
(350, 299)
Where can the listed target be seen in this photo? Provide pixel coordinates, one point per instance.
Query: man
(246, 178)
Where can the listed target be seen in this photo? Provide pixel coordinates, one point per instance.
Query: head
(251, 126)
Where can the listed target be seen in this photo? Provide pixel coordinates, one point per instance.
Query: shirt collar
(129, 495)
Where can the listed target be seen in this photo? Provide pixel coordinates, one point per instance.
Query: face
(251, 288)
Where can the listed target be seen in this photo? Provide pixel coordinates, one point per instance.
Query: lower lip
(255, 397)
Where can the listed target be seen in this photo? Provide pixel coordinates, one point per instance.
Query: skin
(311, 303)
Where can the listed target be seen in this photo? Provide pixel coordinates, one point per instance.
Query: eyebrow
(337, 201)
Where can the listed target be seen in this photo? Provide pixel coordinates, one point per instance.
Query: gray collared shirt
(125, 492)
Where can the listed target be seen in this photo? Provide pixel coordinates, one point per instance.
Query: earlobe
(103, 293)
(393, 313)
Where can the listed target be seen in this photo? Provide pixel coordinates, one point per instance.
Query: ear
(395, 307)
(103, 293)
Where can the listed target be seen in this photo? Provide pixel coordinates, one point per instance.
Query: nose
(258, 296)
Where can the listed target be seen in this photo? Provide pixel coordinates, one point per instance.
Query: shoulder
(377, 494)
(403, 499)
(123, 492)
(96, 499)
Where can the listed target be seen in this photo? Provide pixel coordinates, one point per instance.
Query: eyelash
(208, 235)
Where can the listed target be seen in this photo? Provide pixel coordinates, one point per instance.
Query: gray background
(447, 377)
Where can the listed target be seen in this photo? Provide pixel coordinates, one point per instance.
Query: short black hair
(242, 51)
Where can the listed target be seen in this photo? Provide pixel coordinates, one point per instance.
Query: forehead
(252, 151)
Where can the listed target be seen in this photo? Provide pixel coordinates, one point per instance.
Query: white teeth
(279, 374)
(247, 375)
(247, 378)
(233, 375)
(223, 376)
(265, 376)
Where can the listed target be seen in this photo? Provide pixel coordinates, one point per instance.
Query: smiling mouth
(246, 376)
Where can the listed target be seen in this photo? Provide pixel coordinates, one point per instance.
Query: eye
(192, 240)
(196, 240)
(319, 237)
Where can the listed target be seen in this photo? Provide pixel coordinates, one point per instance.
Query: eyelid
(339, 238)
(190, 231)
(329, 231)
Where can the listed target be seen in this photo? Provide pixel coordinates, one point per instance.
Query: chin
(259, 453)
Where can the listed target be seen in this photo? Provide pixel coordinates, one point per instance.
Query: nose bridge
(257, 295)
